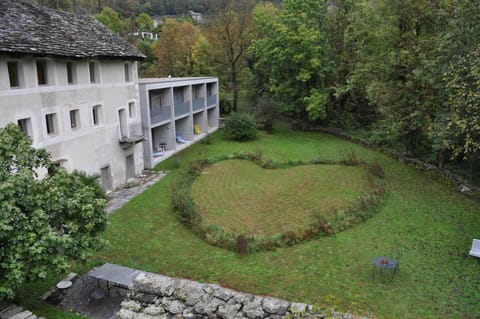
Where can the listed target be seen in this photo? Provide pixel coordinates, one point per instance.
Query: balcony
(199, 104)
(160, 114)
(211, 100)
(135, 136)
(182, 108)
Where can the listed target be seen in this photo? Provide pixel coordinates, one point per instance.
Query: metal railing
(198, 104)
(182, 108)
(161, 114)
(211, 100)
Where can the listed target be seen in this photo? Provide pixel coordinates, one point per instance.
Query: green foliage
(144, 22)
(240, 127)
(111, 19)
(461, 132)
(293, 56)
(44, 221)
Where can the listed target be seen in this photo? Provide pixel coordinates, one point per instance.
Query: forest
(402, 74)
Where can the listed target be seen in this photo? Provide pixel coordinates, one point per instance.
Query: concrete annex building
(72, 86)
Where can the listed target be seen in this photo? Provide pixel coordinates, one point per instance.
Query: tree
(111, 19)
(44, 222)
(178, 48)
(295, 56)
(229, 36)
(144, 22)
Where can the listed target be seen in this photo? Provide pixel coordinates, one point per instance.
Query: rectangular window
(42, 74)
(51, 123)
(74, 119)
(97, 115)
(131, 110)
(92, 68)
(25, 126)
(13, 74)
(122, 118)
(127, 67)
(71, 73)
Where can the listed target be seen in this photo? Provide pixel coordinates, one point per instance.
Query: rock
(208, 305)
(241, 298)
(154, 310)
(188, 314)
(145, 298)
(296, 307)
(154, 284)
(253, 309)
(228, 311)
(174, 307)
(275, 306)
(209, 289)
(223, 294)
(131, 305)
(194, 295)
(126, 314)
(145, 316)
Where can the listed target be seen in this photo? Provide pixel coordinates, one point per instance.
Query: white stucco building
(71, 85)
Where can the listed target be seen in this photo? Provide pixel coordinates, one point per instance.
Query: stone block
(275, 306)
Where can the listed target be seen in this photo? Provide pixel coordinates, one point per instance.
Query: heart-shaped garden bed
(227, 201)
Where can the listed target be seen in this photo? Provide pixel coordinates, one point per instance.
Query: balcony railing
(135, 135)
(198, 104)
(161, 114)
(211, 100)
(182, 108)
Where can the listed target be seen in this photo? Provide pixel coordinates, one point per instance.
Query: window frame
(94, 72)
(51, 124)
(127, 69)
(14, 74)
(26, 128)
(74, 119)
(41, 67)
(132, 111)
(97, 115)
(71, 72)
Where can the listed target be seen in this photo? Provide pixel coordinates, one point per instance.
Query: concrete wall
(186, 89)
(88, 146)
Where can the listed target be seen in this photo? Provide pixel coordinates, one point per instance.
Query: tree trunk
(441, 159)
(235, 89)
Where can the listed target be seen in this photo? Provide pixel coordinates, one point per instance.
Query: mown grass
(432, 224)
(243, 198)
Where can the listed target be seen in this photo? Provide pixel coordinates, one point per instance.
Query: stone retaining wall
(153, 296)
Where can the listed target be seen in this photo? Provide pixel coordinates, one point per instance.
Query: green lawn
(431, 223)
(243, 198)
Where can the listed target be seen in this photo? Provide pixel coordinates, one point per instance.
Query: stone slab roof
(35, 30)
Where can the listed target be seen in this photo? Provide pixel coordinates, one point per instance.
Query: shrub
(226, 105)
(376, 169)
(351, 159)
(241, 244)
(240, 127)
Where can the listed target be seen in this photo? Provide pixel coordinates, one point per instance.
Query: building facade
(176, 112)
(72, 86)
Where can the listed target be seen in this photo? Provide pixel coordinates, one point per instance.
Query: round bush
(240, 127)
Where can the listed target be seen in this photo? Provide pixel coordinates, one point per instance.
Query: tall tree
(176, 48)
(229, 36)
(44, 222)
(295, 56)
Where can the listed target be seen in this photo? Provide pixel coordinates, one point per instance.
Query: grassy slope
(431, 223)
